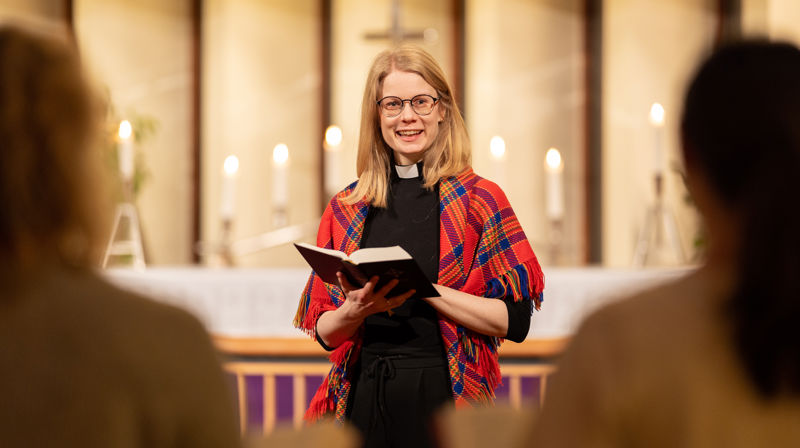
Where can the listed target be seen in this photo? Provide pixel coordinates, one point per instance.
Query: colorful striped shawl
(483, 251)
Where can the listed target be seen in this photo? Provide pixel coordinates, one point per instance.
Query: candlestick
(230, 167)
(280, 190)
(333, 140)
(497, 147)
(657, 120)
(125, 150)
(554, 168)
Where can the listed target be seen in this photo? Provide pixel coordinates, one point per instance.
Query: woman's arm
(485, 316)
(336, 326)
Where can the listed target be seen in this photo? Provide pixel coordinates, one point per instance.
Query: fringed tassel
(321, 404)
(525, 280)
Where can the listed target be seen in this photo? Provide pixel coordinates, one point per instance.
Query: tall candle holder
(659, 241)
(126, 221)
(126, 218)
(556, 237)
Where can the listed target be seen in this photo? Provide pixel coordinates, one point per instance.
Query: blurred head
(741, 133)
(48, 160)
(445, 148)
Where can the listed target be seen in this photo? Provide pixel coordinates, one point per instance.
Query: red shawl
(483, 251)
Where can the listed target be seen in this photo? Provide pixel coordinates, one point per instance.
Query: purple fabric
(530, 390)
(284, 398)
(502, 392)
(312, 384)
(254, 395)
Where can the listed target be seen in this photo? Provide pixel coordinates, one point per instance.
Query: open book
(386, 262)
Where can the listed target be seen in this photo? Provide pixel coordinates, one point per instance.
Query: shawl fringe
(523, 281)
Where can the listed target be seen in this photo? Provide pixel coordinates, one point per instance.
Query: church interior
(232, 123)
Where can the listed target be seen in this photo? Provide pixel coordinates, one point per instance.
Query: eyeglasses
(392, 106)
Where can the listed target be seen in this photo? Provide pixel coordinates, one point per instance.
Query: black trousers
(395, 396)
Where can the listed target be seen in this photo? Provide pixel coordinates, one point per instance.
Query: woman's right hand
(362, 302)
(337, 326)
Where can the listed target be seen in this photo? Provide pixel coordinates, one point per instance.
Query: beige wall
(524, 75)
(141, 50)
(777, 19)
(261, 87)
(650, 48)
(353, 55)
(32, 10)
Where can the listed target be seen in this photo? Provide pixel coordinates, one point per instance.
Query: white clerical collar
(407, 171)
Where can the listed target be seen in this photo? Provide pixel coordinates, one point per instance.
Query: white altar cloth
(262, 302)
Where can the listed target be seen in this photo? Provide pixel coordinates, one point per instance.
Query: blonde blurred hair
(450, 153)
(51, 182)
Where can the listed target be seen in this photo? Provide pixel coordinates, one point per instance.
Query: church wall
(261, 87)
(524, 76)
(140, 49)
(650, 48)
(32, 10)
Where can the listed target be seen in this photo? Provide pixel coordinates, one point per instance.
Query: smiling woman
(397, 359)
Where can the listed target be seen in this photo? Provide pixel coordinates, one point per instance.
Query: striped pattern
(483, 251)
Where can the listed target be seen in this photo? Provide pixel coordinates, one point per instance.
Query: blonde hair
(450, 153)
(50, 169)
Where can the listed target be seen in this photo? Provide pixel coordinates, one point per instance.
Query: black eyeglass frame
(410, 103)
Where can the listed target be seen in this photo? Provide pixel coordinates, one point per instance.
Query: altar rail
(274, 379)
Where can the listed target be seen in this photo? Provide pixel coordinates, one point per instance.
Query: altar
(261, 303)
(276, 368)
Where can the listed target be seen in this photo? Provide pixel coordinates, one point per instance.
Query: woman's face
(409, 134)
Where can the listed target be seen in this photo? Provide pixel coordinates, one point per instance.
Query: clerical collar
(407, 171)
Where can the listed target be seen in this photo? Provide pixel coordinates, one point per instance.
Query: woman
(713, 359)
(416, 189)
(82, 363)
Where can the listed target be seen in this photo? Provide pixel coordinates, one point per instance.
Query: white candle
(554, 168)
(657, 120)
(497, 148)
(333, 140)
(230, 167)
(280, 165)
(125, 150)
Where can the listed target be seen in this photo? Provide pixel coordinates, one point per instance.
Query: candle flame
(280, 154)
(333, 136)
(553, 158)
(657, 114)
(231, 165)
(497, 146)
(125, 129)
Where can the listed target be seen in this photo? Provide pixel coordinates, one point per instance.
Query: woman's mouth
(409, 133)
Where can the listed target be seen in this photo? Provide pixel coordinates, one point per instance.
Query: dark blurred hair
(50, 196)
(741, 125)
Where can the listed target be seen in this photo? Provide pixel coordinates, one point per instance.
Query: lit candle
(280, 165)
(125, 150)
(333, 138)
(657, 120)
(497, 147)
(230, 167)
(554, 168)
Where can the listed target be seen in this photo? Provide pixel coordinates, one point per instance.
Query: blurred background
(599, 81)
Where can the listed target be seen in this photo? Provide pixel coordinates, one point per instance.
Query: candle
(230, 167)
(497, 147)
(554, 168)
(125, 150)
(657, 120)
(280, 165)
(333, 138)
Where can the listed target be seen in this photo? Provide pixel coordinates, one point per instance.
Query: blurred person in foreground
(712, 360)
(82, 363)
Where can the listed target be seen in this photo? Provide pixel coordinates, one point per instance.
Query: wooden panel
(281, 347)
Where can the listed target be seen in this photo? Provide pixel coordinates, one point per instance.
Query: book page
(371, 254)
(336, 253)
